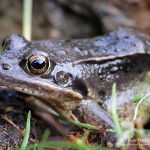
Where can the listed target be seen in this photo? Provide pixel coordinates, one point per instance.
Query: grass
(84, 125)
(115, 117)
(27, 18)
(27, 133)
(114, 112)
(137, 107)
(78, 143)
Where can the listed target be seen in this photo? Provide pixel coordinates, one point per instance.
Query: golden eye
(38, 64)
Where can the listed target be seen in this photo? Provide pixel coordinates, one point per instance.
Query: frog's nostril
(6, 66)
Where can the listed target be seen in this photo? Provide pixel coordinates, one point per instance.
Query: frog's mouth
(12, 76)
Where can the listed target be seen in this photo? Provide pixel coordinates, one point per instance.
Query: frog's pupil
(38, 64)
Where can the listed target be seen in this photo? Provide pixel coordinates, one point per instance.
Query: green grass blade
(78, 123)
(27, 133)
(115, 117)
(27, 18)
(114, 111)
(137, 106)
(45, 135)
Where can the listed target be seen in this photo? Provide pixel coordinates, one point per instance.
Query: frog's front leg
(90, 112)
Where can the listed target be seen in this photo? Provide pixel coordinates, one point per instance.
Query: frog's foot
(90, 112)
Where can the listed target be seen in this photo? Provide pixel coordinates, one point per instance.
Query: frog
(74, 77)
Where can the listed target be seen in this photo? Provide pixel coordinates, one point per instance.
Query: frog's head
(28, 69)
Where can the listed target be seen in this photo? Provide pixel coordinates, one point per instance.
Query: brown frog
(74, 76)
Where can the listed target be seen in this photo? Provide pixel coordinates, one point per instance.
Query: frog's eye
(38, 64)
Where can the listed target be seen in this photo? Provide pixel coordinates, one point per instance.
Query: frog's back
(120, 43)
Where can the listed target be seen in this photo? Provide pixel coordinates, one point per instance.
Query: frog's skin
(78, 73)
